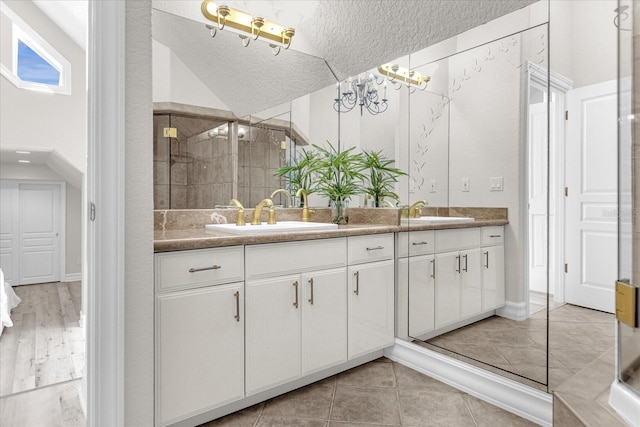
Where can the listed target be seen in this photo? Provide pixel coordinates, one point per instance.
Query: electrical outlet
(465, 184)
(433, 185)
(496, 183)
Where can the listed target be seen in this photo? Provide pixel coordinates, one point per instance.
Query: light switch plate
(465, 184)
(496, 183)
(433, 185)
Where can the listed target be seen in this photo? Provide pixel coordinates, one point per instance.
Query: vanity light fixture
(360, 91)
(247, 26)
(398, 76)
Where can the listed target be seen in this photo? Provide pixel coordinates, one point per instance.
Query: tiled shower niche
(195, 170)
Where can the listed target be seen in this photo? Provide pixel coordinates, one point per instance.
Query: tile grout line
(333, 398)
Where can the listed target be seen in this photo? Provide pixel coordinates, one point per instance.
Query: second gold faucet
(255, 219)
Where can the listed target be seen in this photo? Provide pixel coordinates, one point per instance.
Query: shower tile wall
(192, 171)
(258, 161)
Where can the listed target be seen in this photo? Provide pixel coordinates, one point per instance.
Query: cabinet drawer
(375, 247)
(202, 267)
(415, 243)
(277, 259)
(456, 239)
(492, 235)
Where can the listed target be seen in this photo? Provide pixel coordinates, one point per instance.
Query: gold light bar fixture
(247, 26)
(398, 75)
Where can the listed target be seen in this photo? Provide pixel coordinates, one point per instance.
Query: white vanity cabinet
(371, 293)
(296, 305)
(199, 331)
(492, 260)
(416, 282)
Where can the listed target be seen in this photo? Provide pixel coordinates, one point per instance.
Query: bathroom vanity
(243, 318)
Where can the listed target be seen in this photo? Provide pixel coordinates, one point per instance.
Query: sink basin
(279, 227)
(438, 219)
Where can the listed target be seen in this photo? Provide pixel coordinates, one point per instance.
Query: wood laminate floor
(42, 357)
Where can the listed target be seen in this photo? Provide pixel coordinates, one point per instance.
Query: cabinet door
(470, 284)
(371, 314)
(422, 272)
(272, 332)
(447, 290)
(200, 346)
(492, 277)
(324, 319)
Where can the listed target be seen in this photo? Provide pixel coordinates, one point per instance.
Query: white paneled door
(30, 231)
(591, 245)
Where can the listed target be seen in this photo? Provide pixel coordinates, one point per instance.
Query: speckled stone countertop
(172, 235)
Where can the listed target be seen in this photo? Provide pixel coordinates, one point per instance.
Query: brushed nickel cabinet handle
(237, 316)
(295, 285)
(195, 270)
(465, 263)
(357, 289)
(419, 243)
(375, 248)
(458, 260)
(433, 268)
(311, 285)
(495, 235)
(486, 259)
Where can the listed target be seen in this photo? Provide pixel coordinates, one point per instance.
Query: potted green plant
(381, 176)
(300, 173)
(339, 177)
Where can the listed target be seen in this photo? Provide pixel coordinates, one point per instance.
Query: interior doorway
(545, 182)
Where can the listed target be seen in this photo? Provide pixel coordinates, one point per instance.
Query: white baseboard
(514, 310)
(625, 402)
(526, 402)
(73, 277)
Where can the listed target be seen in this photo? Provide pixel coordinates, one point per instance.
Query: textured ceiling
(352, 36)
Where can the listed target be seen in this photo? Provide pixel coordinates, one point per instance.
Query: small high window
(28, 61)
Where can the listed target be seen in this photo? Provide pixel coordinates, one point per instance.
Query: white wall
(31, 119)
(73, 242)
(138, 311)
(174, 82)
(582, 36)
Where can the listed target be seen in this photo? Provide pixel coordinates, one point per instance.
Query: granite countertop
(199, 238)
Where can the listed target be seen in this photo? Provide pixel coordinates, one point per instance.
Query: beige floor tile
(409, 378)
(485, 414)
(313, 401)
(372, 374)
(427, 408)
(245, 418)
(289, 422)
(365, 405)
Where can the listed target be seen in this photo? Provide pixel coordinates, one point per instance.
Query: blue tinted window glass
(34, 68)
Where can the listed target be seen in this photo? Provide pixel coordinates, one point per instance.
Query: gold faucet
(306, 212)
(240, 217)
(414, 210)
(286, 193)
(255, 219)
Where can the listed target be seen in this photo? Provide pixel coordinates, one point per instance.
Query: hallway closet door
(32, 230)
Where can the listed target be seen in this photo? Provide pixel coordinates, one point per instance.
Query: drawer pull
(311, 285)
(458, 261)
(433, 268)
(465, 263)
(486, 259)
(195, 270)
(495, 235)
(295, 285)
(357, 289)
(375, 248)
(237, 316)
(419, 243)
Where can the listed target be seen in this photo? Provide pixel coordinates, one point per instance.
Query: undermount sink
(279, 227)
(438, 219)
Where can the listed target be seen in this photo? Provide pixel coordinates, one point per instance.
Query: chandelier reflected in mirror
(362, 91)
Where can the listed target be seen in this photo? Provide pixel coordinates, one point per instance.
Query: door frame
(554, 82)
(62, 230)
